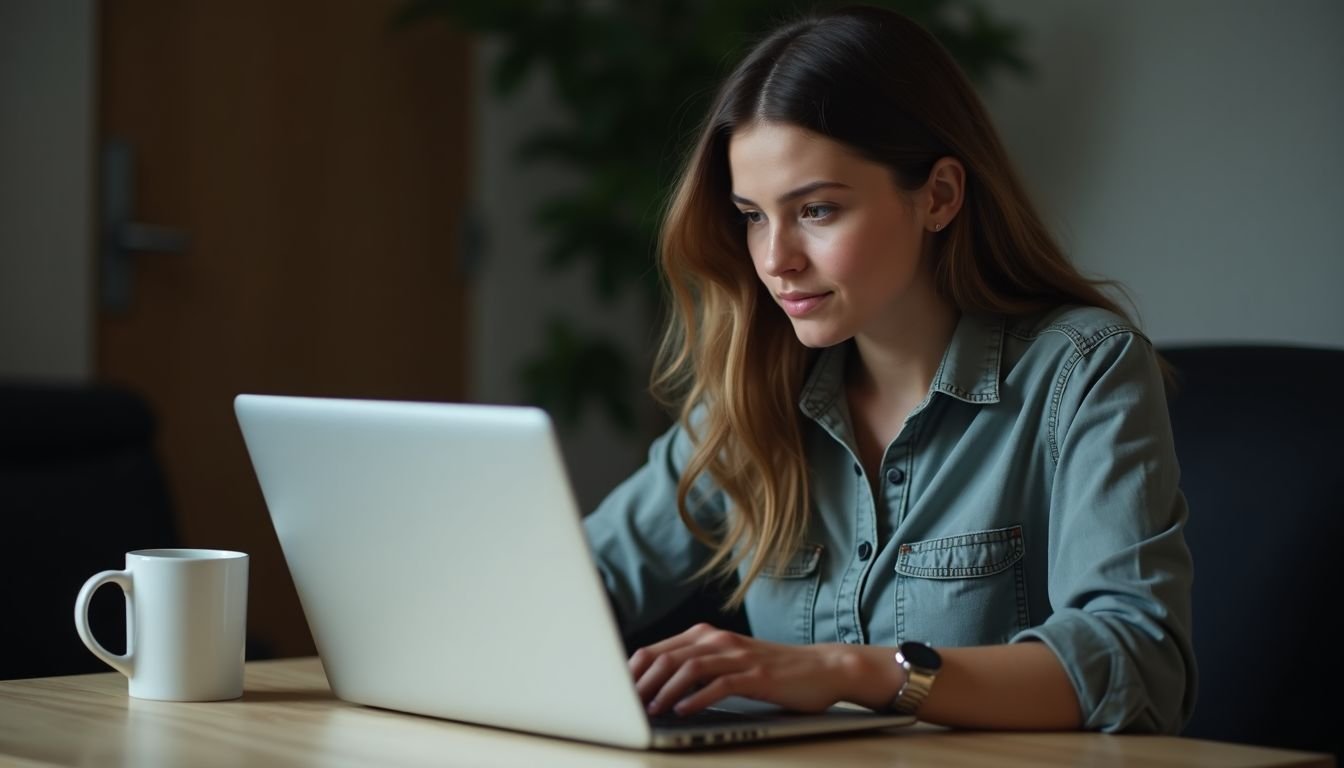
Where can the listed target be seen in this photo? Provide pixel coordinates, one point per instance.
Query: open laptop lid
(442, 566)
(441, 563)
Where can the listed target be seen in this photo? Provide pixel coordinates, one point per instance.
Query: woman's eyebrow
(792, 194)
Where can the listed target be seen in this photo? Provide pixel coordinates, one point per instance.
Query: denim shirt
(1032, 496)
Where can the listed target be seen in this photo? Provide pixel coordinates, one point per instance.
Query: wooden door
(316, 157)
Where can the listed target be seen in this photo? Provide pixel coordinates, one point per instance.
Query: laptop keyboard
(708, 717)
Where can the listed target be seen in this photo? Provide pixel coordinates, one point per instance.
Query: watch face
(921, 655)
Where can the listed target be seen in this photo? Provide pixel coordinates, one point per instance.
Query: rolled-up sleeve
(1120, 571)
(645, 552)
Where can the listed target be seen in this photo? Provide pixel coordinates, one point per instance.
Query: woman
(937, 458)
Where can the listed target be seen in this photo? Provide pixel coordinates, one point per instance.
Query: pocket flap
(802, 564)
(967, 555)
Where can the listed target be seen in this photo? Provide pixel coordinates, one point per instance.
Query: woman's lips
(800, 304)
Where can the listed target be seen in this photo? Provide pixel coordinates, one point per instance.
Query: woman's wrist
(872, 678)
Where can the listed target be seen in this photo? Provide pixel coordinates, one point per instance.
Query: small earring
(937, 227)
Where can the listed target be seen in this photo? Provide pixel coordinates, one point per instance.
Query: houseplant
(635, 77)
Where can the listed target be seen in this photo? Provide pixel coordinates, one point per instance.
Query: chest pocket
(781, 602)
(962, 590)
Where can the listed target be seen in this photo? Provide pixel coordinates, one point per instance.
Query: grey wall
(1189, 149)
(1194, 150)
(46, 232)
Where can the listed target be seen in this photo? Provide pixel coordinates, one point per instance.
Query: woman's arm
(1021, 686)
(644, 552)
(1018, 686)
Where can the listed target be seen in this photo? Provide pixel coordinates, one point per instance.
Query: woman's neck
(898, 364)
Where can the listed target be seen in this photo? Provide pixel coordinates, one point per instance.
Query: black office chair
(1259, 434)
(80, 485)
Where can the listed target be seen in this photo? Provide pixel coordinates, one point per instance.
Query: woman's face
(836, 242)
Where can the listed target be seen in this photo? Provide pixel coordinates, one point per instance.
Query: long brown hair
(880, 84)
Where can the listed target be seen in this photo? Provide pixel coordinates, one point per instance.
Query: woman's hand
(702, 665)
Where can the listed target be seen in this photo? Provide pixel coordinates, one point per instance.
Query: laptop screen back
(441, 562)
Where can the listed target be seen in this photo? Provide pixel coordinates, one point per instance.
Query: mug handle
(122, 579)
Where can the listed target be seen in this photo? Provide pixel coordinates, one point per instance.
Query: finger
(667, 665)
(746, 682)
(642, 659)
(705, 640)
(760, 683)
(652, 679)
(690, 675)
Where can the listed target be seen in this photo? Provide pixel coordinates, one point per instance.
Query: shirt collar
(969, 370)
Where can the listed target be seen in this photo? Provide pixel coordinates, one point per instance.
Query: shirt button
(895, 476)
(865, 551)
(858, 470)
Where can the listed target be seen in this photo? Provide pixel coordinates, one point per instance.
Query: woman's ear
(944, 191)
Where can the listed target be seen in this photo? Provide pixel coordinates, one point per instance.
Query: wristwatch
(921, 664)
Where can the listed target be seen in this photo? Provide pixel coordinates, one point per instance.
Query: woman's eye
(751, 217)
(817, 211)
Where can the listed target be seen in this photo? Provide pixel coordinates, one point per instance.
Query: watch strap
(918, 683)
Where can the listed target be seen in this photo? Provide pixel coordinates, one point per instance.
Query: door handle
(122, 236)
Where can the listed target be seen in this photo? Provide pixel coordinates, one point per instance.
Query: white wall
(46, 230)
(1191, 150)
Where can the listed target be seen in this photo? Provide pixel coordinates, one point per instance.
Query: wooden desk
(289, 717)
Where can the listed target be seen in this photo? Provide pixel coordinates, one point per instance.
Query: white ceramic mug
(186, 617)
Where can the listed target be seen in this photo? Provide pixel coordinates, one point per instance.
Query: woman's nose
(782, 254)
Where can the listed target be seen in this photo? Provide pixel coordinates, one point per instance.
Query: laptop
(442, 565)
